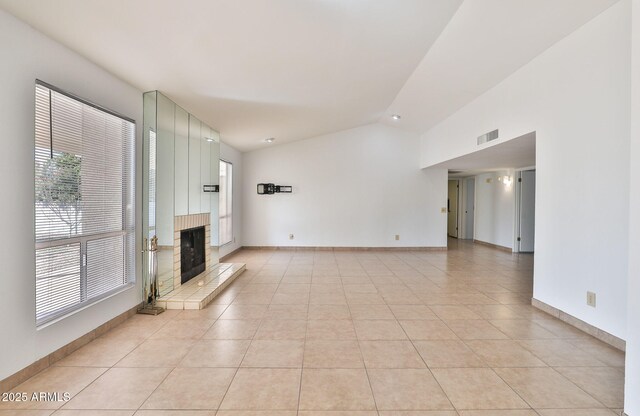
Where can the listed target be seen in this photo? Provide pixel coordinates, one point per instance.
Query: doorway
(526, 187)
(452, 208)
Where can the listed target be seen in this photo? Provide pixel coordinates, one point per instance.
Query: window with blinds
(84, 202)
(226, 199)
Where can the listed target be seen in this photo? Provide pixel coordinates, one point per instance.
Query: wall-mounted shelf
(270, 189)
(210, 188)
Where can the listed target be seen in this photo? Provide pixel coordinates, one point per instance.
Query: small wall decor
(210, 188)
(269, 189)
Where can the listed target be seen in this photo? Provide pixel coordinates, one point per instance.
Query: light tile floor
(363, 333)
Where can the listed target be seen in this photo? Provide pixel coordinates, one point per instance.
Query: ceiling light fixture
(270, 140)
(209, 139)
(396, 117)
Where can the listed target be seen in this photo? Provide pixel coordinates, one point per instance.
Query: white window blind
(84, 202)
(226, 202)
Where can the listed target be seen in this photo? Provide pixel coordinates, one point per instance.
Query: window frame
(128, 220)
(229, 195)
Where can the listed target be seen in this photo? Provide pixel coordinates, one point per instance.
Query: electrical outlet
(591, 299)
(290, 236)
(443, 210)
(397, 237)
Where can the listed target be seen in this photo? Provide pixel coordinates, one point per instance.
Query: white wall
(495, 205)
(234, 156)
(357, 188)
(632, 371)
(27, 55)
(575, 96)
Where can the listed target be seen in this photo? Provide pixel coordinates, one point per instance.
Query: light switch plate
(591, 299)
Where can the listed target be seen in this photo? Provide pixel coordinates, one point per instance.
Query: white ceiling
(293, 69)
(486, 41)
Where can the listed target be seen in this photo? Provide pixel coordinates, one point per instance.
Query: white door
(469, 208)
(527, 184)
(452, 209)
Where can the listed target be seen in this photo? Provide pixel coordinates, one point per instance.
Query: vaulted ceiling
(293, 69)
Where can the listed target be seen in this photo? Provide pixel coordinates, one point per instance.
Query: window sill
(84, 306)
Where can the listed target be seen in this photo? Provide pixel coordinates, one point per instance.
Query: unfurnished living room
(320, 207)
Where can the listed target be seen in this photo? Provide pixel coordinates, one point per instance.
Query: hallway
(359, 331)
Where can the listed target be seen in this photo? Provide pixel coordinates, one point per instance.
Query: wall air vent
(487, 137)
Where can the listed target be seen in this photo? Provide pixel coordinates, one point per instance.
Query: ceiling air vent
(487, 137)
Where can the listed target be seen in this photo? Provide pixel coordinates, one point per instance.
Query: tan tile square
(260, 288)
(53, 379)
(211, 312)
(504, 353)
(577, 412)
(256, 413)
(191, 388)
(89, 413)
(119, 388)
(379, 330)
(453, 312)
(364, 299)
(263, 389)
(290, 299)
(601, 351)
(500, 312)
(102, 352)
(401, 299)
(253, 299)
(335, 389)
(477, 388)
(522, 329)
(390, 354)
(282, 329)
(447, 353)
(329, 312)
(359, 288)
(233, 329)
(560, 353)
(215, 353)
(137, 327)
(287, 312)
(327, 288)
(183, 329)
(157, 353)
(327, 299)
(419, 413)
(407, 389)
(371, 312)
(244, 312)
(332, 354)
(498, 413)
(337, 413)
(545, 388)
(274, 353)
(174, 413)
(294, 288)
(330, 329)
(405, 312)
(605, 384)
(427, 330)
(475, 329)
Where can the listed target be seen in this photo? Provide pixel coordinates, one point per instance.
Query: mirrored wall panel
(181, 165)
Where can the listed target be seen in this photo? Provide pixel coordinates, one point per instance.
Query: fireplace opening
(192, 254)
